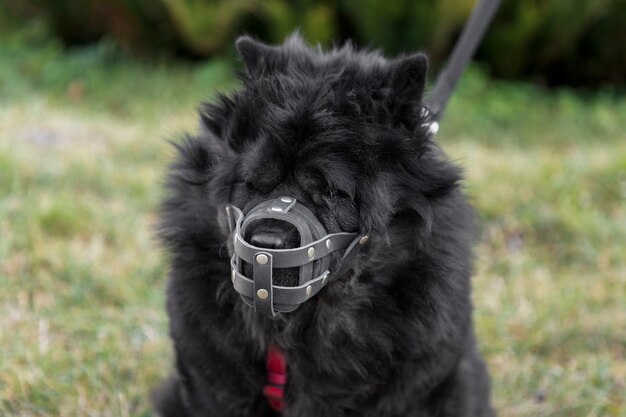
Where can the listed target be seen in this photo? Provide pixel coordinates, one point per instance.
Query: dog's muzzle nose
(267, 240)
(272, 234)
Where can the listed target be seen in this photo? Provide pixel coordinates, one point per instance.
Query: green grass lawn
(82, 154)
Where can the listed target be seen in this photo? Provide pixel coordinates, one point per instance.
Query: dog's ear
(408, 77)
(256, 56)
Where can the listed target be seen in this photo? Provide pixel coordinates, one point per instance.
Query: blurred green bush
(575, 42)
(142, 25)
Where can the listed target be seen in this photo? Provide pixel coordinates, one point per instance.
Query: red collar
(274, 391)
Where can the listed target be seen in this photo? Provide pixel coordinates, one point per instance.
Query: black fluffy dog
(343, 133)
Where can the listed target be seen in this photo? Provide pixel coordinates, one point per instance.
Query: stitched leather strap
(263, 288)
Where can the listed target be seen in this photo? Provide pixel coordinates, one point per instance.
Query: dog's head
(342, 132)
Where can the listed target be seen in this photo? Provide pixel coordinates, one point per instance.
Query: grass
(82, 154)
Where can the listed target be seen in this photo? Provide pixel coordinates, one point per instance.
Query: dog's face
(341, 132)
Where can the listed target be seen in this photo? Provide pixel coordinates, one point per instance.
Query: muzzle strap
(291, 258)
(263, 288)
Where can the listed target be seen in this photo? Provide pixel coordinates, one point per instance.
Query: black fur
(340, 131)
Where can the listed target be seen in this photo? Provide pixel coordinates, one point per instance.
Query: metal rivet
(286, 199)
(261, 259)
(364, 240)
(276, 209)
(433, 128)
(329, 243)
(262, 294)
(309, 290)
(232, 275)
(311, 252)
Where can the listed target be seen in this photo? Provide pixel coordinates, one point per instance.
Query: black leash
(473, 32)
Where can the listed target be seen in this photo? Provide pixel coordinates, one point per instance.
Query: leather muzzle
(311, 257)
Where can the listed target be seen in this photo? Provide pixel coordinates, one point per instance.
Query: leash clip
(431, 125)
